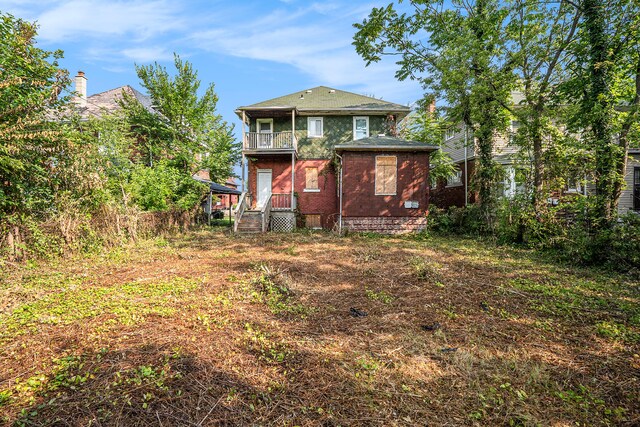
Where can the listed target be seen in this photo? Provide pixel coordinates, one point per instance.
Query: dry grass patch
(312, 329)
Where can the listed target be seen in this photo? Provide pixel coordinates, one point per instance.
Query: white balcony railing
(269, 141)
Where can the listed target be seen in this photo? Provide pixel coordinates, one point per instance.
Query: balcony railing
(269, 141)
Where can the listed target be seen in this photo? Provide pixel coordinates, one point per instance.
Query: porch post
(243, 139)
(293, 129)
(293, 177)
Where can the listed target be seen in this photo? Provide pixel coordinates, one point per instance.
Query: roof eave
(385, 148)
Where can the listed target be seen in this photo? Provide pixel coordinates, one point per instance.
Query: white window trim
(375, 178)
(355, 118)
(258, 121)
(449, 134)
(311, 190)
(457, 182)
(309, 127)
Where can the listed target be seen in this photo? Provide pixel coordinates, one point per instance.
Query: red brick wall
(358, 185)
(323, 203)
(443, 196)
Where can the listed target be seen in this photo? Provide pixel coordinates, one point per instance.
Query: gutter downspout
(340, 196)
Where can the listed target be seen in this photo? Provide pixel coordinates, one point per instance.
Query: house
(220, 197)
(630, 197)
(459, 144)
(104, 103)
(324, 158)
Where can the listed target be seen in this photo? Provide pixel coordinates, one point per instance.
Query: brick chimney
(81, 89)
(432, 107)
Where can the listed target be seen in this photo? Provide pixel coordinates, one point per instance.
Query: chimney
(81, 89)
(432, 106)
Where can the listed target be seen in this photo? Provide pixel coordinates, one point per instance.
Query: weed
(426, 270)
(268, 350)
(271, 288)
(291, 250)
(366, 366)
(367, 254)
(381, 296)
(617, 331)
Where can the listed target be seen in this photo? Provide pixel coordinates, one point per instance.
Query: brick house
(323, 158)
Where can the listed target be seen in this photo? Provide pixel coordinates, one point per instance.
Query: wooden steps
(250, 223)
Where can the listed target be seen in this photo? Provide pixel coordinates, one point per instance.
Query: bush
(568, 231)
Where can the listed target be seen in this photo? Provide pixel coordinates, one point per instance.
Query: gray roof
(634, 150)
(323, 98)
(217, 188)
(384, 143)
(107, 102)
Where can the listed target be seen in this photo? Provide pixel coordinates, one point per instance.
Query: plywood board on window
(313, 221)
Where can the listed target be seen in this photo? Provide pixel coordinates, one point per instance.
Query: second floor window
(449, 133)
(315, 127)
(360, 127)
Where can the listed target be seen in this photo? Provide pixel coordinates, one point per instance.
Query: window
(360, 127)
(311, 180)
(386, 175)
(455, 179)
(313, 221)
(449, 133)
(315, 128)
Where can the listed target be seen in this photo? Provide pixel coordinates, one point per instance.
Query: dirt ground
(312, 329)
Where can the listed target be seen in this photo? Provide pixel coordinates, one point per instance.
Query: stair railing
(242, 206)
(266, 214)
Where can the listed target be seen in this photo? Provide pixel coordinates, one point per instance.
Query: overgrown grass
(205, 329)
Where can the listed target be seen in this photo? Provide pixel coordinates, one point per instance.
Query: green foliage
(271, 288)
(185, 131)
(30, 144)
(464, 61)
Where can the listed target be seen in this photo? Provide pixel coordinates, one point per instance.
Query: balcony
(269, 142)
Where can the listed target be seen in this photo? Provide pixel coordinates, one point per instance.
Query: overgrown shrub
(568, 231)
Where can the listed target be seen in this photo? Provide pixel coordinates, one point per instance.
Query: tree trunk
(538, 166)
(600, 109)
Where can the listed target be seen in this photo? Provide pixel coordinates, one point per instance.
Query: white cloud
(317, 41)
(147, 54)
(137, 19)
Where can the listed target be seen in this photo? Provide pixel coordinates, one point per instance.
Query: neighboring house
(456, 191)
(630, 197)
(220, 197)
(106, 102)
(297, 146)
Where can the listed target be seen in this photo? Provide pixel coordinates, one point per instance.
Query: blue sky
(251, 50)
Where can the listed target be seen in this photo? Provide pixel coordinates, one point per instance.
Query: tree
(188, 132)
(182, 134)
(30, 143)
(539, 35)
(605, 88)
(462, 61)
(428, 128)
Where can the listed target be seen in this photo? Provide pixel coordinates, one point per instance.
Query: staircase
(250, 222)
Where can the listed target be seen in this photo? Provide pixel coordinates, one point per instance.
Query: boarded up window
(386, 175)
(312, 178)
(313, 221)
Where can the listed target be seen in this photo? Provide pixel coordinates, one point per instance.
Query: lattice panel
(282, 224)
